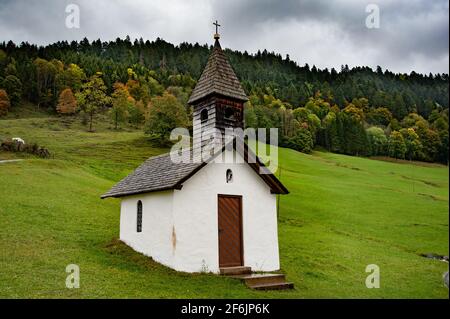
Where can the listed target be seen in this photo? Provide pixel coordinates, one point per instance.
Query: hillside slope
(343, 213)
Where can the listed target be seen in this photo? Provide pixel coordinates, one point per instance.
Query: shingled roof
(155, 174)
(161, 173)
(218, 77)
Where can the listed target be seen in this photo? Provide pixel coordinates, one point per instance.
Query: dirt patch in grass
(421, 181)
(432, 197)
(291, 222)
(339, 164)
(347, 166)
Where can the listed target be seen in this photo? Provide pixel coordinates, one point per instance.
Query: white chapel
(205, 215)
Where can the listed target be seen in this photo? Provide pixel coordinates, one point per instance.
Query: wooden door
(230, 231)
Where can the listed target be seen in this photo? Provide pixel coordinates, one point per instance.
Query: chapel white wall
(195, 209)
(180, 227)
(157, 222)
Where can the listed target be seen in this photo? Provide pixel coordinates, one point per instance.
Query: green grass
(343, 213)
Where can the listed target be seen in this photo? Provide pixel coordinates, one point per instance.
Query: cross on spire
(217, 36)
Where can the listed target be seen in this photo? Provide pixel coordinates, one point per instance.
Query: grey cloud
(413, 33)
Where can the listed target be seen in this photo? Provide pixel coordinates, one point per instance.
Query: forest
(145, 84)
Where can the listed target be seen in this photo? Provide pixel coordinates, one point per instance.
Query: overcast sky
(413, 34)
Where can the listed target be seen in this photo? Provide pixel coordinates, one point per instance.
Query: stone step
(240, 270)
(274, 286)
(259, 279)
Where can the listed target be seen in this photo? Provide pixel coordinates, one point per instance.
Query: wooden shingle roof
(218, 77)
(155, 174)
(161, 173)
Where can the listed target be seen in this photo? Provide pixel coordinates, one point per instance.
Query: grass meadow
(343, 214)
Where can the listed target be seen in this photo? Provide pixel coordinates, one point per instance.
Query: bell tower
(218, 99)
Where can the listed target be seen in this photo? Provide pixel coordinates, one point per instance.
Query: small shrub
(7, 146)
(17, 147)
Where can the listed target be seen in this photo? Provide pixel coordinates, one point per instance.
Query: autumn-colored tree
(396, 146)
(73, 77)
(308, 118)
(92, 97)
(4, 102)
(318, 106)
(314, 124)
(380, 116)
(301, 114)
(431, 142)
(67, 103)
(412, 119)
(121, 101)
(412, 143)
(361, 103)
(133, 87)
(272, 102)
(356, 114)
(181, 80)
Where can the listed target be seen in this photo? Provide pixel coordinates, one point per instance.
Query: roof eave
(275, 185)
(208, 95)
(177, 186)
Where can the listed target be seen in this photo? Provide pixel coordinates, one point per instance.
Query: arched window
(229, 176)
(204, 115)
(139, 217)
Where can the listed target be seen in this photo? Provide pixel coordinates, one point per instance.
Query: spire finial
(216, 35)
